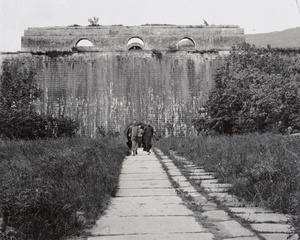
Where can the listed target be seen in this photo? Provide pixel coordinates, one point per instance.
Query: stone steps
(268, 224)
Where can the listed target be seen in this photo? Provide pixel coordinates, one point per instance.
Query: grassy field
(55, 188)
(264, 169)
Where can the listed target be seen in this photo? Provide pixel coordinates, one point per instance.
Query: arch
(135, 43)
(186, 43)
(84, 42)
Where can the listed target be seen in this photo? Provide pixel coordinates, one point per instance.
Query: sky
(254, 16)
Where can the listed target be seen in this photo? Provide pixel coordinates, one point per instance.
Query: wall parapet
(117, 37)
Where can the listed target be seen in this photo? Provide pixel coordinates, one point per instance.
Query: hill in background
(289, 38)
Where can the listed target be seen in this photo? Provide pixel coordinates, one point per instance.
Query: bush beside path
(55, 188)
(263, 168)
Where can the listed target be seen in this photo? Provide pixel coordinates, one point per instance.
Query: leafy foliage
(94, 21)
(18, 118)
(256, 90)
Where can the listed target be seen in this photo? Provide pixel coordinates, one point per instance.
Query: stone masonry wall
(115, 38)
(109, 89)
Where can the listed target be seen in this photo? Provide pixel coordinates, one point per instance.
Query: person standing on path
(148, 136)
(134, 137)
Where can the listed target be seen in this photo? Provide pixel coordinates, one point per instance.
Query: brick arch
(135, 43)
(186, 43)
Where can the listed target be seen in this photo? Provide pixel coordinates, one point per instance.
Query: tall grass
(54, 188)
(264, 169)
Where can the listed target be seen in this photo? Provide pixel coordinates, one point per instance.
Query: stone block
(146, 192)
(263, 217)
(146, 225)
(233, 229)
(270, 227)
(216, 215)
(278, 236)
(175, 236)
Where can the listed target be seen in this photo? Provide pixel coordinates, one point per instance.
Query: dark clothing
(147, 138)
(148, 132)
(148, 144)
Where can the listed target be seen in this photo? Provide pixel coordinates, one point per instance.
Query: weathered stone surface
(271, 227)
(134, 209)
(115, 38)
(202, 177)
(184, 184)
(145, 184)
(140, 176)
(243, 238)
(188, 189)
(263, 217)
(249, 210)
(109, 225)
(278, 236)
(233, 229)
(175, 236)
(146, 192)
(147, 199)
(217, 215)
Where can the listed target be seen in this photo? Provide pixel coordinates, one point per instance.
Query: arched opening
(84, 43)
(135, 43)
(186, 44)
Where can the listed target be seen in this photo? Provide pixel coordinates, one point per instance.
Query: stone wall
(109, 89)
(167, 81)
(115, 38)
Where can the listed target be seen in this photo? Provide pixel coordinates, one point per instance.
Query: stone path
(155, 201)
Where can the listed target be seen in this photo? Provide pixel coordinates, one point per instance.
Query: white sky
(254, 16)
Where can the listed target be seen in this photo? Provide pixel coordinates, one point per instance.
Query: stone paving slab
(145, 192)
(188, 189)
(145, 184)
(175, 236)
(202, 177)
(243, 238)
(216, 185)
(233, 229)
(146, 225)
(148, 199)
(217, 215)
(263, 217)
(278, 236)
(130, 209)
(270, 227)
(138, 176)
(185, 184)
(248, 210)
(208, 181)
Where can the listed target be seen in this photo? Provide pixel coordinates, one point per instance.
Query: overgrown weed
(55, 188)
(263, 168)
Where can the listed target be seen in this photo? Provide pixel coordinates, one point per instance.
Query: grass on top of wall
(264, 169)
(50, 189)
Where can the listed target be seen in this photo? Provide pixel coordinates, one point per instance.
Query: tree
(18, 117)
(256, 90)
(19, 87)
(93, 21)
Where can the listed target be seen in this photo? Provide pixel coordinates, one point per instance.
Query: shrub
(54, 188)
(256, 90)
(18, 118)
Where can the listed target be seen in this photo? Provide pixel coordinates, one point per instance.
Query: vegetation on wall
(18, 117)
(256, 90)
(93, 21)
